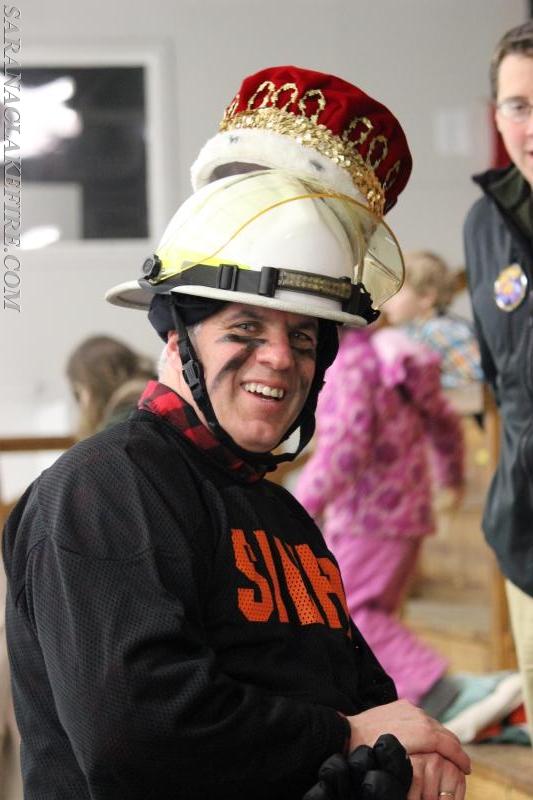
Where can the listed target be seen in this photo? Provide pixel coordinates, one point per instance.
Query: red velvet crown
(335, 118)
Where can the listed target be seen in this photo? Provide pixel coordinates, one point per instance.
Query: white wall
(426, 59)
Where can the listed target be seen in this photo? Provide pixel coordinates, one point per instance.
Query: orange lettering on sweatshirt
(291, 581)
(306, 609)
(256, 604)
(269, 561)
(326, 581)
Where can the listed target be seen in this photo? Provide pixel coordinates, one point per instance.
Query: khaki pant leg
(521, 613)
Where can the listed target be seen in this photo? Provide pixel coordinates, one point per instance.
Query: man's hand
(433, 774)
(417, 732)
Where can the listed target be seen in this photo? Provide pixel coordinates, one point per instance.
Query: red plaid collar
(163, 401)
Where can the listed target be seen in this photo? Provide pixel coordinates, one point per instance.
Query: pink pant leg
(376, 574)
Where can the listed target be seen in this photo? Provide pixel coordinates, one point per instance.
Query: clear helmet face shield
(274, 239)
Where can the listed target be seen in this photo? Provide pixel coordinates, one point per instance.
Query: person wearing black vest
(498, 238)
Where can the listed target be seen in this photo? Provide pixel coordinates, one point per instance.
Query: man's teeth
(266, 391)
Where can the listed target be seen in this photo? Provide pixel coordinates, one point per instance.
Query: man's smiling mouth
(264, 390)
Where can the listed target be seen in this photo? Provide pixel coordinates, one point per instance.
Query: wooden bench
(500, 772)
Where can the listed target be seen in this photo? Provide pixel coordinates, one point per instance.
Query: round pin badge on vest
(510, 287)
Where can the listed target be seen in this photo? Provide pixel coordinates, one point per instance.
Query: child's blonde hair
(427, 272)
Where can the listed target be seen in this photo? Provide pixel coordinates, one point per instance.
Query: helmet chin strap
(193, 375)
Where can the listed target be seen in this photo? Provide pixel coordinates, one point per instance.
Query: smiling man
(259, 366)
(177, 625)
(499, 260)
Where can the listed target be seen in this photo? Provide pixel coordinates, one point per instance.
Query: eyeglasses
(516, 110)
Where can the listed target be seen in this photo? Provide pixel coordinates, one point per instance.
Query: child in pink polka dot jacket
(385, 431)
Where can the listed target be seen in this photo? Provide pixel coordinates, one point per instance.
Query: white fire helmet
(271, 238)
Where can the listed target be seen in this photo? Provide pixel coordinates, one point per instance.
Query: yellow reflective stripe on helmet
(174, 261)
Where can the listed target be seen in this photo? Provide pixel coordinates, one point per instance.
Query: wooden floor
(452, 608)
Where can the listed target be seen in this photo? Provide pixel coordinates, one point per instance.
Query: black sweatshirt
(175, 631)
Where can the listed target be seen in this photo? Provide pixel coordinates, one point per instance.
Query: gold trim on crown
(307, 133)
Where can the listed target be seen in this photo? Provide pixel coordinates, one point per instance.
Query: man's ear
(172, 350)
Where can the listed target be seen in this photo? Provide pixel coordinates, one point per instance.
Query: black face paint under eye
(236, 361)
(308, 351)
(251, 343)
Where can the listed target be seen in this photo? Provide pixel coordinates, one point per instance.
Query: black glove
(333, 780)
(382, 772)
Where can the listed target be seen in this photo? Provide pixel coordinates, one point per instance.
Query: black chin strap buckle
(190, 366)
(192, 374)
